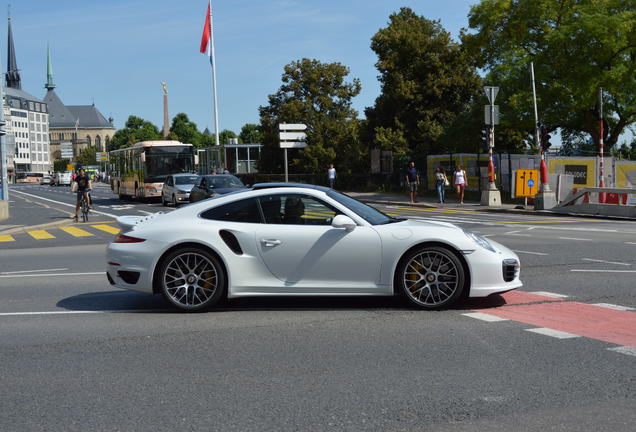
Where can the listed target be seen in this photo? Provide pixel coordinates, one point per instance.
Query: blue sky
(117, 52)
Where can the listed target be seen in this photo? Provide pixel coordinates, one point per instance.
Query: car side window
(203, 183)
(296, 209)
(238, 211)
(169, 181)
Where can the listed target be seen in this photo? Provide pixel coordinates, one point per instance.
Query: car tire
(191, 279)
(431, 277)
(163, 201)
(174, 201)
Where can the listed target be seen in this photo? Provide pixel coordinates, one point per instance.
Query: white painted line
(531, 253)
(145, 212)
(552, 333)
(624, 350)
(484, 317)
(80, 312)
(630, 243)
(51, 275)
(602, 271)
(574, 238)
(32, 271)
(63, 203)
(518, 235)
(613, 306)
(549, 294)
(605, 262)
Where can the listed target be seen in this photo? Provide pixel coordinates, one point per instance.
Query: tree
(87, 156)
(316, 94)
(251, 133)
(60, 165)
(135, 130)
(427, 81)
(576, 46)
(185, 130)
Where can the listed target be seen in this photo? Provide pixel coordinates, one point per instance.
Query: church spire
(49, 70)
(13, 75)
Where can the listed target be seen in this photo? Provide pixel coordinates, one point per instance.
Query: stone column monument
(166, 118)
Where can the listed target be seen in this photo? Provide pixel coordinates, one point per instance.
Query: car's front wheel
(192, 279)
(163, 201)
(431, 277)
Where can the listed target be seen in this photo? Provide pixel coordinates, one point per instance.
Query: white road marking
(145, 212)
(630, 243)
(63, 203)
(518, 235)
(32, 271)
(574, 238)
(51, 275)
(602, 271)
(613, 306)
(605, 262)
(531, 253)
(552, 333)
(484, 317)
(624, 350)
(549, 294)
(80, 312)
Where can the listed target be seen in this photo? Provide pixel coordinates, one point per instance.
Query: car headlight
(481, 241)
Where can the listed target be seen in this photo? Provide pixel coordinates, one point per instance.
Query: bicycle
(84, 208)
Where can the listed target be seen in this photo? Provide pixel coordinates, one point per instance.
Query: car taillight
(123, 238)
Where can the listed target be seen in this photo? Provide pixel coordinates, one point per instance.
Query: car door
(300, 247)
(167, 187)
(198, 191)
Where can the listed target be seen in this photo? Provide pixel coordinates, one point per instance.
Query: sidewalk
(451, 203)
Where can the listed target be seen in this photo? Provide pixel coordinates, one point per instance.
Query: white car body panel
(310, 260)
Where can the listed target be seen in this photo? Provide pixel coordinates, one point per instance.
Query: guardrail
(617, 202)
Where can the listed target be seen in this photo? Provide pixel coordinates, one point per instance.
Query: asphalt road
(78, 355)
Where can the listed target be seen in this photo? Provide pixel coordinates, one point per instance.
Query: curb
(23, 229)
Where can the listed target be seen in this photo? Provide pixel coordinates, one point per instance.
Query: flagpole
(213, 62)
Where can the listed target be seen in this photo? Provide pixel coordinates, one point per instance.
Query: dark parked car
(211, 185)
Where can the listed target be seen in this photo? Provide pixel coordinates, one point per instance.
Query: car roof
(183, 174)
(259, 186)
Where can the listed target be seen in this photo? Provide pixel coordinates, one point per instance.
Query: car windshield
(224, 181)
(368, 213)
(185, 180)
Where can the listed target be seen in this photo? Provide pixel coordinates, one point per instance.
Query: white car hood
(425, 223)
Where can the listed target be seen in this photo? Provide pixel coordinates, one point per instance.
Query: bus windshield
(161, 161)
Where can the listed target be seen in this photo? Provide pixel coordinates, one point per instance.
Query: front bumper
(493, 272)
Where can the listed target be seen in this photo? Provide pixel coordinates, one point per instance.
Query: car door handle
(270, 242)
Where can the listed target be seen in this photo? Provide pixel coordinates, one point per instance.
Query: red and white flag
(207, 33)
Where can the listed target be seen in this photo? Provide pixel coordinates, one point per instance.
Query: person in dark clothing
(412, 181)
(82, 185)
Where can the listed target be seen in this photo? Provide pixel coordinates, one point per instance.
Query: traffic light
(484, 140)
(545, 136)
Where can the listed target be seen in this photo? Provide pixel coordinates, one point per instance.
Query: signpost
(291, 135)
(66, 150)
(491, 196)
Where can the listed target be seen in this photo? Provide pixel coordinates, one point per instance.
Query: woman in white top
(461, 181)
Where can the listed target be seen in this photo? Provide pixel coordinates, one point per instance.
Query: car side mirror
(342, 221)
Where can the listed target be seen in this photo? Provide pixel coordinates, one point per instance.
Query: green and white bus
(140, 170)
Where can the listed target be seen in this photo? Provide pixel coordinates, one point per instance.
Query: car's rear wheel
(192, 279)
(431, 277)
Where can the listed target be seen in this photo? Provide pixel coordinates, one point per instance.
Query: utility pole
(545, 199)
(601, 145)
(4, 187)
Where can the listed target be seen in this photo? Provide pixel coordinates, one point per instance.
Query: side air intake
(231, 241)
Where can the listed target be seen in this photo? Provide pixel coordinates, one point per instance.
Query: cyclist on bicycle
(82, 185)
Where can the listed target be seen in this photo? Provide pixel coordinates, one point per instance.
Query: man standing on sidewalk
(412, 181)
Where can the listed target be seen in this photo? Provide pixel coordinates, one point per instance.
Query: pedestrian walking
(412, 181)
(331, 176)
(460, 182)
(441, 181)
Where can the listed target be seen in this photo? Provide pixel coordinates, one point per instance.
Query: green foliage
(185, 130)
(316, 94)
(135, 130)
(251, 134)
(427, 82)
(60, 165)
(87, 157)
(576, 46)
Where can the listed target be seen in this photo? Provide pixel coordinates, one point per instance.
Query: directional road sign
(526, 182)
(488, 109)
(291, 135)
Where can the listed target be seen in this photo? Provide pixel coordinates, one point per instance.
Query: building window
(88, 140)
(31, 106)
(98, 142)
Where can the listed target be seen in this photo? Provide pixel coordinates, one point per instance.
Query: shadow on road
(139, 302)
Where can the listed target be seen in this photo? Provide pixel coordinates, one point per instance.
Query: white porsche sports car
(293, 239)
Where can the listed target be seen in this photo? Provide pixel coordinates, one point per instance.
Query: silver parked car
(176, 188)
